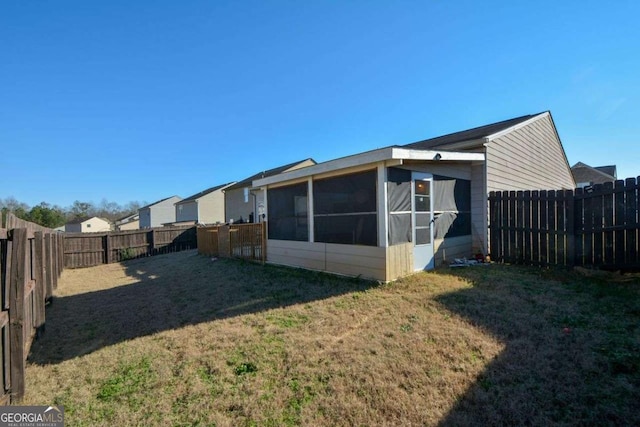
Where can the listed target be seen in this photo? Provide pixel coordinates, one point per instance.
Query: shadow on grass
(572, 351)
(174, 291)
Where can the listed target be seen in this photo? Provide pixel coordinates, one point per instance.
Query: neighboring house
(158, 213)
(88, 225)
(205, 207)
(129, 222)
(585, 175)
(242, 203)
(385, 213)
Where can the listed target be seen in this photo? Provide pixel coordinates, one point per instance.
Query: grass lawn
(182, 340)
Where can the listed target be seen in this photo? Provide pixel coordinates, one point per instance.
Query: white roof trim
(516, 127)
(371, 157)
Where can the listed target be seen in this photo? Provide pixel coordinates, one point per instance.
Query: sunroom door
(422, 221)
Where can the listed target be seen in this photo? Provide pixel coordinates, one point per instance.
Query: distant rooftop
(204, 192)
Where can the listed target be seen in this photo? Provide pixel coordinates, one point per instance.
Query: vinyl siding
(145, 217)
(131, 225)
(162, 213)
(187, 211)
(529, 158)
(235, 206)
(445, 250)
(351, 260)
(73, 228)
(211, 208)
(95, 225)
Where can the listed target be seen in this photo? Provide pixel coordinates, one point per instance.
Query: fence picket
(578, 219)
(90, 249)
(246, 241)
(596, 226)
(535, 227)
(544, 230)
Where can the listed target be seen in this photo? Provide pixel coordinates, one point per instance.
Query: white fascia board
(330, 166)
(436, 155)
(515, 127)
(395, 154)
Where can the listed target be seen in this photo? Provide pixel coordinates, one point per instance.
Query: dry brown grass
(181, 340)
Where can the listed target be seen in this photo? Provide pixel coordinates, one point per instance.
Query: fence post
(107, 248)
(152, 242)
(494, 216)
(17, 284)
(39, 271)
(264, 241)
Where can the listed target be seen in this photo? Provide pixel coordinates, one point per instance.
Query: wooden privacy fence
(246, 241)
(90, 249)
(596, 226)
(31, 263)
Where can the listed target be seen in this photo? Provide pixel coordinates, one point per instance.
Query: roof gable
(204, 193)
(157, 202)
(469, 134)
(585, 173)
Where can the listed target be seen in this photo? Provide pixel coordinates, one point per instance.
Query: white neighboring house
(89, 225)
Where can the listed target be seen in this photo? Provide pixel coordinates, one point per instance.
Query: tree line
(53, 216)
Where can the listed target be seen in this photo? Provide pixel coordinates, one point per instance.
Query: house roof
(128, 218)
(469, 134)
(275, 171)
(597, 175)
(609, 170)
(155, 203)
(203, 193)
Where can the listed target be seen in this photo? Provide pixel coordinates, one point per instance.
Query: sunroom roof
(383, 154)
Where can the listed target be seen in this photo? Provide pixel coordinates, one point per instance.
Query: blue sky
(140, 100)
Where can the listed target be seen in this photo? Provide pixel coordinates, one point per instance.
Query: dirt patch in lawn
(182, 340)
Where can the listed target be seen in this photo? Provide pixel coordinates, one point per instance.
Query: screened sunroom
(379, 215)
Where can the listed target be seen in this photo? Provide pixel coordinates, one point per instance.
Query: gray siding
(529, 158)
(145, 217)
(187, 211)
(159, 213)
(73, 228)
(235, 206)
(479, 206)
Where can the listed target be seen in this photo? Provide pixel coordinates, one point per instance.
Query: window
(88, 225)
(345, 209)
(452, 207)
(422, 200)
(399, 205)
(288, 213)
(246, 194)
